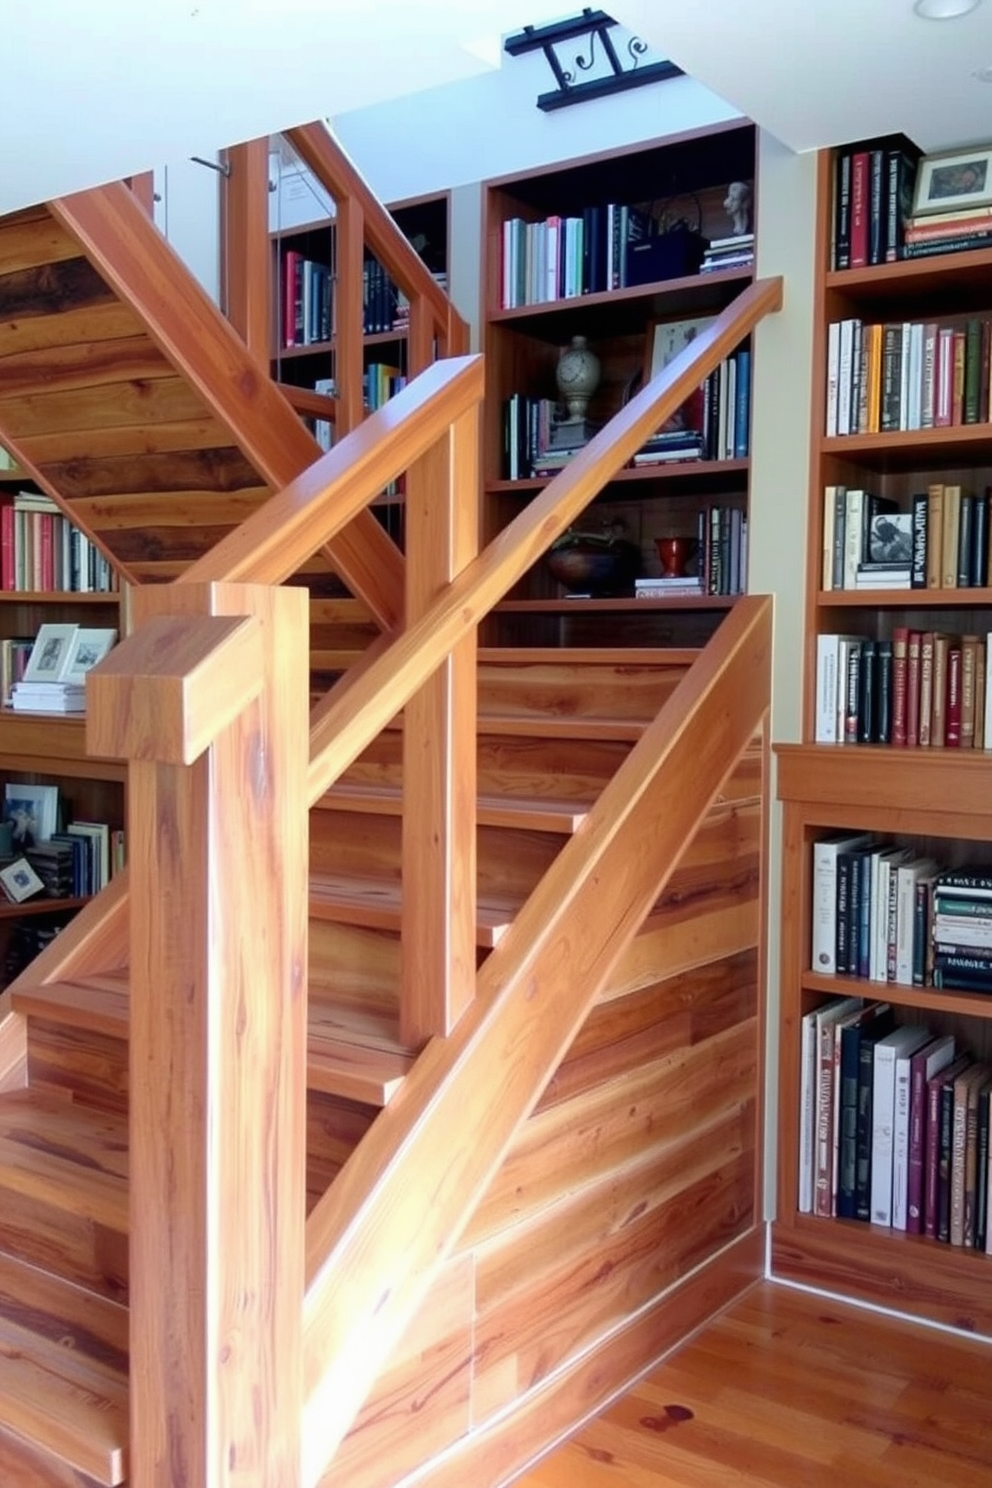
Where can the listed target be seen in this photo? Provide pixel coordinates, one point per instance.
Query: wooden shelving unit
(938, 800)
(681, 177)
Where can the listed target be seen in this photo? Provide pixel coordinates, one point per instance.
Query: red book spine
(952, 725)
(7, 546)
(859, 209)
(900, 669)
(913, 689)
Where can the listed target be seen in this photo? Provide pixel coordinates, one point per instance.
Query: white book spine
(833, 370)
(882, 1114)
(826, 689)
(900, 1143)
(807, 1112)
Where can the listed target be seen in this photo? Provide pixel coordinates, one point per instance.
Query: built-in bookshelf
(625, 256)
(896, 730)
(46, 752)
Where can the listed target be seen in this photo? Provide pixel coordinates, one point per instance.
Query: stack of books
(48, 697)
(961, 928)
(683, 586)
(736, 252)
(948, 232)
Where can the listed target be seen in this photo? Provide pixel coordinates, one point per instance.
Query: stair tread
(350, 1052)
(64, 1370)
(65, 1155)
(537, 813)
(375, 904)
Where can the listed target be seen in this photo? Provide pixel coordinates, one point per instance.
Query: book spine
(900, 666)
(860, 188)
(842, 211)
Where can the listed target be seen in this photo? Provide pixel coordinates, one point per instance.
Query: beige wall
(779, 483)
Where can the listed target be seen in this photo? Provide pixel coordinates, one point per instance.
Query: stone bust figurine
(737, 206)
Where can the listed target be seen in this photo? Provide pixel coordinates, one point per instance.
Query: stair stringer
(393, 1223)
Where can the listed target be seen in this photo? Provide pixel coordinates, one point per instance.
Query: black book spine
(842, 929)
(979, 565)
(842, 211)
(965, 529)
(862, 1172)
(918, 574)
(883, 692)
(982, 1174)
(944, 1161)
(868, 694)
(877, 206)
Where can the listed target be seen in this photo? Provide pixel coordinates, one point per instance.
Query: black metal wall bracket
(594, 25)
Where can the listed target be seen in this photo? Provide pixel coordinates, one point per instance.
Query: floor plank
(789, 1390)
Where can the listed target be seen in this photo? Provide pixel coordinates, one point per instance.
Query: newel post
(208, 701)
(440, 749)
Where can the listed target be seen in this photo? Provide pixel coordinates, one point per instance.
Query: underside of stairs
(625, 1208)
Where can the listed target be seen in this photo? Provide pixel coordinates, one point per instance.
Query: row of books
(41, 550)
(894, 1125)
(920, 689)
(907, 375)
(306, 299)
(872, 201)
(884, 912)
(713, 424)
(380, 382)
(79, 861)
(943, 542)
(563, 257)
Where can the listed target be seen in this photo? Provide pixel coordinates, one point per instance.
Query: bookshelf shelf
(620, 296)
(933, 802)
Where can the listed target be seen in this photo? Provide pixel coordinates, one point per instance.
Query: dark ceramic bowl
(588, 565)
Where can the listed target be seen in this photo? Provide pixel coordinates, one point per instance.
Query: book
(925, 1063)
(902, 1041)
(827, 1017)
(874, 1020)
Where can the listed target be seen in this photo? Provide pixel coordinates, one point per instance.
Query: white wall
(491, 126)
(778, 496)
(187, 210)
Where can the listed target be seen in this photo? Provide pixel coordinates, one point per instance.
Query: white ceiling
(101, 90)
(823, 72)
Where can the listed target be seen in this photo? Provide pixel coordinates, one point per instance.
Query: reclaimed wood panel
(499, 1448)
(66, 368)
(105, 320)
(220, 467)
(588, 1138)
(51, 451)
(48, 290)
(565, 1314)
(423, 1400)
(144, 402)
(30, 242)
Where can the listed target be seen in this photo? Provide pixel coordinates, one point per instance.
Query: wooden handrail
(278, 538)
(364, 700)
(375, 1240)
(327, 159)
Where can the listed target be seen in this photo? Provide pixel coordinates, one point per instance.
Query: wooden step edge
(374, 904)
(87, 1005)
(354, 1071)
(85, 1428)
(82, 1322)
(65, 1156)
(510, 812)
(608, 656)
(548, 726)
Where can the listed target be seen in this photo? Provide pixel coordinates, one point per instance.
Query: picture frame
(19, 881)
(665, 340)
(87, 647)
(50, 653)
(954, 180)
(33, 811)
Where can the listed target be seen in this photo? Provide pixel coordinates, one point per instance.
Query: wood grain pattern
(217, 1077)
(437, 975)
(605, 877)
(144, 272)
(786, 1388)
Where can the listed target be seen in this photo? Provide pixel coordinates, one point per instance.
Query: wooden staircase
(623, 1208)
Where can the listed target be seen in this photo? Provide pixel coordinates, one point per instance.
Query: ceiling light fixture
(944, 10)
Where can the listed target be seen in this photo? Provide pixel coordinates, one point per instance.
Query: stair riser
(90, 1066)
(359, 845)
(79, 1250)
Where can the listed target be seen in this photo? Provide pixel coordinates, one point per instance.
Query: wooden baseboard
(919, 1279)
(541, 1418)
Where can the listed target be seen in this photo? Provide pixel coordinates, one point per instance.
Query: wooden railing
(361, 223)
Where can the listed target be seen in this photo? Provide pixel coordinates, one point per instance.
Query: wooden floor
(787, 1390)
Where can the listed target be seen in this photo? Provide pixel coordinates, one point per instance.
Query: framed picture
(33, 812)
(50, 653)
(954, 180)
(666, 338)
(85, 650)
(19, 880)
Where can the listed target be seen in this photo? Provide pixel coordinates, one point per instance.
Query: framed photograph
(19, 880)
(33, 813)
(50, 653)
(85, 650)
(666, 338)
(953, 180)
